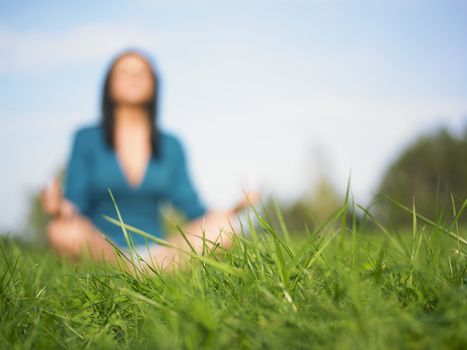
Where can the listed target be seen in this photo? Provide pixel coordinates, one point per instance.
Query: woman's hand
(51, 197)
(250, 198)
(53, 202)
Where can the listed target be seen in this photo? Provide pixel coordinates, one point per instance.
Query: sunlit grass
(340, 286)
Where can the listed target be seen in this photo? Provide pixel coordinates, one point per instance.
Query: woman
(142, 166)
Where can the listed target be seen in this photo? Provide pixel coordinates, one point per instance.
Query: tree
(432, 171)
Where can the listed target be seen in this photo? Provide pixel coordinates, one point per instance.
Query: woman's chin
(132, 101)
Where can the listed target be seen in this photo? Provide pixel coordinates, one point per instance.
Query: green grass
(329, 289)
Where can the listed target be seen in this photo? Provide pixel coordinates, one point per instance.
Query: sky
(266, 95)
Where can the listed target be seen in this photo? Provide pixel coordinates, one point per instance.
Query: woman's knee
(69, 235)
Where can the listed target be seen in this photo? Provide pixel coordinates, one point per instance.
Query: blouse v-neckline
(141, 182)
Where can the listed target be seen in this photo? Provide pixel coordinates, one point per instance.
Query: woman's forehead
(131, 60)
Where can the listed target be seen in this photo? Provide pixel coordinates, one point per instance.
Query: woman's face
(131, 81)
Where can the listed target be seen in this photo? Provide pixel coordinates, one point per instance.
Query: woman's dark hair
(108, 105)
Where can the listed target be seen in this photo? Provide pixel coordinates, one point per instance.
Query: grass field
(360, 288)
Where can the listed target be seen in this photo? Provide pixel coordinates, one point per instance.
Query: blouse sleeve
(76, 178)
(182, 193)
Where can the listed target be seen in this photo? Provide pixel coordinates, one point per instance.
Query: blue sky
(257, 90)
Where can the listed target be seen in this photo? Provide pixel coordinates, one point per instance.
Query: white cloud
(91, 43)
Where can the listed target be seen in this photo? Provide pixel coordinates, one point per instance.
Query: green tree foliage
(36, 221)
(432, 172)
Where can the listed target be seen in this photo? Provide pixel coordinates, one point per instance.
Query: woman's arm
(76, 197)
(182, 193)
(77, 191)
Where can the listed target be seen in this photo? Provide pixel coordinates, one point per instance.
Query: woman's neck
(128, 116)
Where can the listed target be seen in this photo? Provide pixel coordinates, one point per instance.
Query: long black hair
(108, 104)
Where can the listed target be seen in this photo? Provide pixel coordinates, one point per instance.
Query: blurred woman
(142, 165)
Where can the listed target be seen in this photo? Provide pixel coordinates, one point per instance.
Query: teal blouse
(93, 167)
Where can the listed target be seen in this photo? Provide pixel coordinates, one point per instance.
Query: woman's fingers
(51, 197)
(249, 198)
(253, 197)
(48, 203)
(56, 188)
